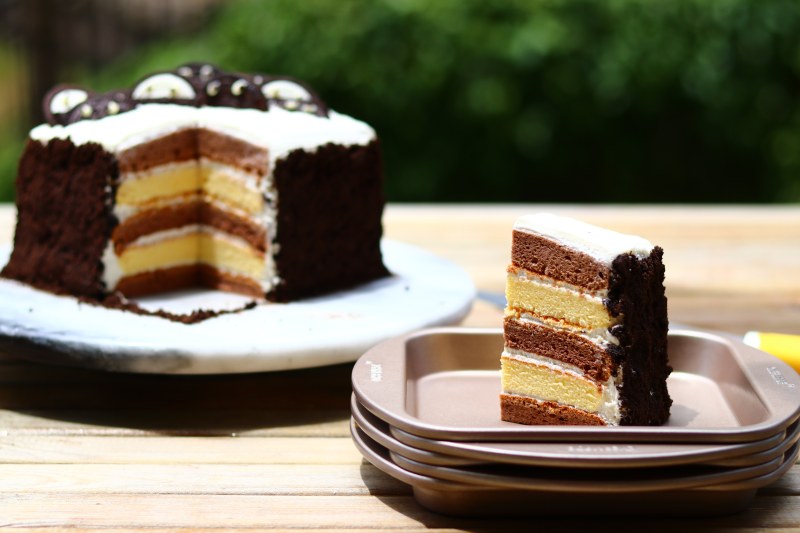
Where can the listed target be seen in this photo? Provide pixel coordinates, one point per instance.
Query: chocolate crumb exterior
(636, 290)
(329, 220)
(64, 198)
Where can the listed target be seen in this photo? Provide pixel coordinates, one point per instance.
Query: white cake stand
(424, 290)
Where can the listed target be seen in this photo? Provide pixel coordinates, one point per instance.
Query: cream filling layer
(544, 379)
(185, 246)
(556, 302)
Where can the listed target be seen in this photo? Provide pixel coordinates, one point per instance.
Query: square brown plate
(570, 455)
(444, 384)
(465, 499)
(584, 480)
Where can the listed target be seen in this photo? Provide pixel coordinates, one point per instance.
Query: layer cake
(585, 327)
(198, 177)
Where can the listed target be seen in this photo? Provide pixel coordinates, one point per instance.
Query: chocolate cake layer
(63, 222)
(232, 224)
(172, 148)
(232, 151)
(329, 207)
(152, 220)
(185, 277)
(563, 346)
(549, 258)
(162, 280)
(524, 410)
(226, 281)
(636, 290)
(191, 212)
(193, 143)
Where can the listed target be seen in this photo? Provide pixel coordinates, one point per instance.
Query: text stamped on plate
(779, 379)
(612, 448)
(375, 371)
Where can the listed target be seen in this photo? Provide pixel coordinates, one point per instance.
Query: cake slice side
(585, 306)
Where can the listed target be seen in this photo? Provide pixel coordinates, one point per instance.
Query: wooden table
(272, 451)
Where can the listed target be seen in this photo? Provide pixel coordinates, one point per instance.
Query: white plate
(424, 290)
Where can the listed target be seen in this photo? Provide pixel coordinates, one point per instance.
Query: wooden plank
(136, 479)
(202, 529)
(337, 512)
(221, 477)
(788, 485)
(187, 422)
(176, 450)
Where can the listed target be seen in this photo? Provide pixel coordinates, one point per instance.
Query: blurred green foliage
(555, 100)
(12, 132)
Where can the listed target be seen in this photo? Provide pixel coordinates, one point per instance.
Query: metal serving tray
(464, 499)
(444, 383)
(569, 455)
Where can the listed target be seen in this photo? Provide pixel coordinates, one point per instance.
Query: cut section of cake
(197, 177)
(585, 328)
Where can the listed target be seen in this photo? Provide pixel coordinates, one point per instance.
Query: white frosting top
(602, 244)
(278, 130)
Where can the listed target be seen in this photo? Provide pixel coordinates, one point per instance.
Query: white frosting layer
(119, 132)
(277, 130)
(112, 271)
(163, 235)
(602, 244)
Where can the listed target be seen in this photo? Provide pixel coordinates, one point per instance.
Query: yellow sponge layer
(548, 384)
(220, 185)
(224, 254)
(161, 182)
(179, 179)
(555, 302)
(191, 249)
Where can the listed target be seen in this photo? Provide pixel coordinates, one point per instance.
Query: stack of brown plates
(426, 411)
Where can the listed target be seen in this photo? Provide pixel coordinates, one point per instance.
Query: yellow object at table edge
(782, 345)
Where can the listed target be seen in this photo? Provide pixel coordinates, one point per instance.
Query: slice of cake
(198, 177)
(585, 328)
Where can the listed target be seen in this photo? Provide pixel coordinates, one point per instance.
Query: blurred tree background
(514, 101)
